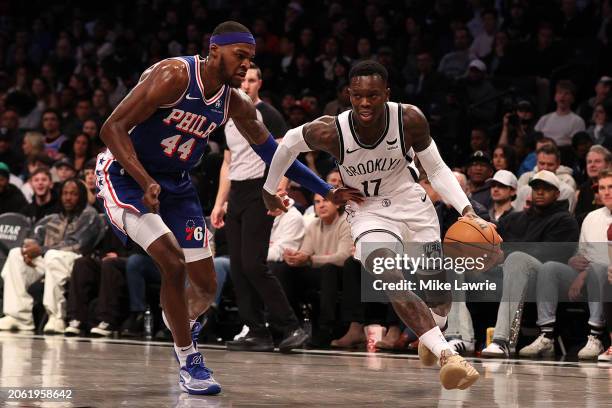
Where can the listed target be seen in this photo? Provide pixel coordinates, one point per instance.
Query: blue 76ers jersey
(174, 138)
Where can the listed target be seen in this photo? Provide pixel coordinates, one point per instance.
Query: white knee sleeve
(372, 240)
(196, 254)
(144, 229)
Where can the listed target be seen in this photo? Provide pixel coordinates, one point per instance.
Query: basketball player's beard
(227, 79)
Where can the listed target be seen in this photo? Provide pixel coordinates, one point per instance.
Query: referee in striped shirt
(242, 177)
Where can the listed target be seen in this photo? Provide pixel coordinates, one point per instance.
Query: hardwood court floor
(114, 373)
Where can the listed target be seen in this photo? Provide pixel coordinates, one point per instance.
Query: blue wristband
(297, 172)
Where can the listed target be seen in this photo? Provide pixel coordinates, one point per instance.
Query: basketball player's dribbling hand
(151, 197)
(470, 214)
(496, 255)
(341, 195)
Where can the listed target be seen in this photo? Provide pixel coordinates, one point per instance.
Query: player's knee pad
(144, 229)
(377, 244)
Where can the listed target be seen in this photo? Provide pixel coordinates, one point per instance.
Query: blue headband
(232, 38)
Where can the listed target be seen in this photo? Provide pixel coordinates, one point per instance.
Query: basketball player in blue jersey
(154, 137)
(375, 145)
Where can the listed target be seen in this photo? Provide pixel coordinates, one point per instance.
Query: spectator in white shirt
(561, 124)
(483, 42)
(287, 233)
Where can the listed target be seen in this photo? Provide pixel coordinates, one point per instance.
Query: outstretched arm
(416, 134)
(161, 84)
(321, 134)
(244, 115)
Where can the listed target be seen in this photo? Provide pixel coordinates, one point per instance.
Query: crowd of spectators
(516, 92)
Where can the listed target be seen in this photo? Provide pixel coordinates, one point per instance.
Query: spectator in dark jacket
(547, 220)
(11, 198)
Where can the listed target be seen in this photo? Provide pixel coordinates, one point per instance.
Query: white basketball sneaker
(541, 347)
(592, 349)
(10, 323)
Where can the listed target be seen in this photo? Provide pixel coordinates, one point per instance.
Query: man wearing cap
(587, 269)
(479, 170)
(11, 198)
(547, 220)
(478, 89)
(64, 169)
(503, 191)
(602, 91)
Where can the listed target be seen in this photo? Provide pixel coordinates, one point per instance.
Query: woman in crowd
(504, 158)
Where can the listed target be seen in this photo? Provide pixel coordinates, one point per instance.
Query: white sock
(183, 352)
(434, 340)
(440, 320)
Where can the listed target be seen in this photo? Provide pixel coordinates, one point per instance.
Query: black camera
(513, 119)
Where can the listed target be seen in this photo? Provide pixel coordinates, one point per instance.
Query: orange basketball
(468, 230)
(478, 240)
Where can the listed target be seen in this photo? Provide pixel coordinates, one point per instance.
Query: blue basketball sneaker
(195, 378)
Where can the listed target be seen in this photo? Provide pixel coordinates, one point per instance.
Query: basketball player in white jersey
(374, 145)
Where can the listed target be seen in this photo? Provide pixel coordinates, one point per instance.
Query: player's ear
(213, 51)
(387, 94)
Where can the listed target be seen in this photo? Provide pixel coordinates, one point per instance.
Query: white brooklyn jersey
(384, 171)
(395, 203)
